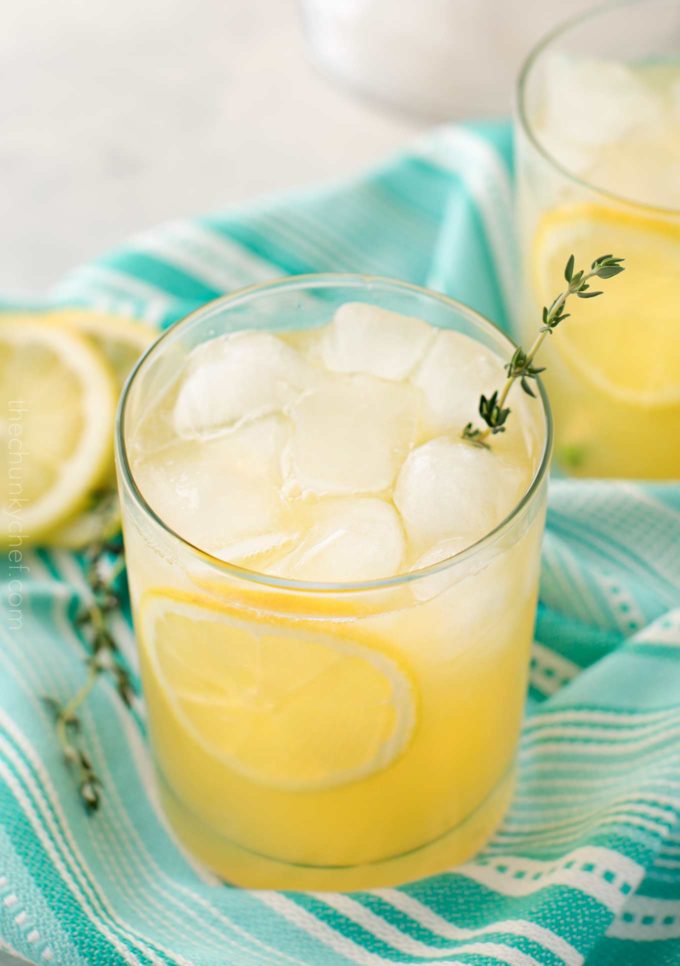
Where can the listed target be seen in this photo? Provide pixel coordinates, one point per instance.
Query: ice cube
(470, 597)
(366, 338)
(256, 447)
(424, 588)
(448, 488)
(197, 490)
(452, 375)
(307, 342)
(350, 436)
(238, 377)
(612, 100)
(348, 540)
(640, 172)
(253, 548)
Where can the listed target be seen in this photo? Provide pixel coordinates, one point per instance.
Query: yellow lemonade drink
(333, 593)
(599, 171)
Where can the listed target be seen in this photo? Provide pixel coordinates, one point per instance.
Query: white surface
(117, 115)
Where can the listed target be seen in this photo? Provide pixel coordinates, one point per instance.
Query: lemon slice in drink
(283, 703)
(121, 341)
(626, 343)
(58, 399)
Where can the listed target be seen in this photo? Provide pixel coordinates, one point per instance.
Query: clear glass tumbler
(598, 159)
(452, 640)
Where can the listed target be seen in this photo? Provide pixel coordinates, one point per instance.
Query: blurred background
(118, 115)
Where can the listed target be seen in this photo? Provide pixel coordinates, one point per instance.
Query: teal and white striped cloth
(586, 867)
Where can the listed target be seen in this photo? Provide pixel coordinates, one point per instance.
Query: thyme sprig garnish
(105, 565)
(492, 409)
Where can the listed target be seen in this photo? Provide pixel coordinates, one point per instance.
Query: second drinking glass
(598, 145)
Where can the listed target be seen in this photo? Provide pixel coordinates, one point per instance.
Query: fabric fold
(586, 867)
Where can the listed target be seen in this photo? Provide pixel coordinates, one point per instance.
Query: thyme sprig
(492, 409)
(105, 565)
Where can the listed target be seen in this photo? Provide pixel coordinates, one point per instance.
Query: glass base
(248, 869)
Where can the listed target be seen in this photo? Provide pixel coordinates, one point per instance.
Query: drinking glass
(445, 649)
(598, 166)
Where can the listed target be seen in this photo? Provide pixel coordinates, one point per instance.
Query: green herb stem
(106, 563)
(493, 409)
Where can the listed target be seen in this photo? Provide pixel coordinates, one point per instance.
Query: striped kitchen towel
(586, 867)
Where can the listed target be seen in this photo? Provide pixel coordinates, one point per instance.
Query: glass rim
(521, 113)
(322, 279)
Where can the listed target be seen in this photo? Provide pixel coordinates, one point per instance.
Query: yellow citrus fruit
(121, 341)
(274, 698)
(58, 398)
(626, 343)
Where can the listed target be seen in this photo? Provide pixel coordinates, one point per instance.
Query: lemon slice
(626, 343)
(121, 341)
(280, 702)
(58, 400)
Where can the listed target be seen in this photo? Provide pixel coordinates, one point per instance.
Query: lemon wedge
(58, 398)
(274, 698)
(626, 344)
(120, 341)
